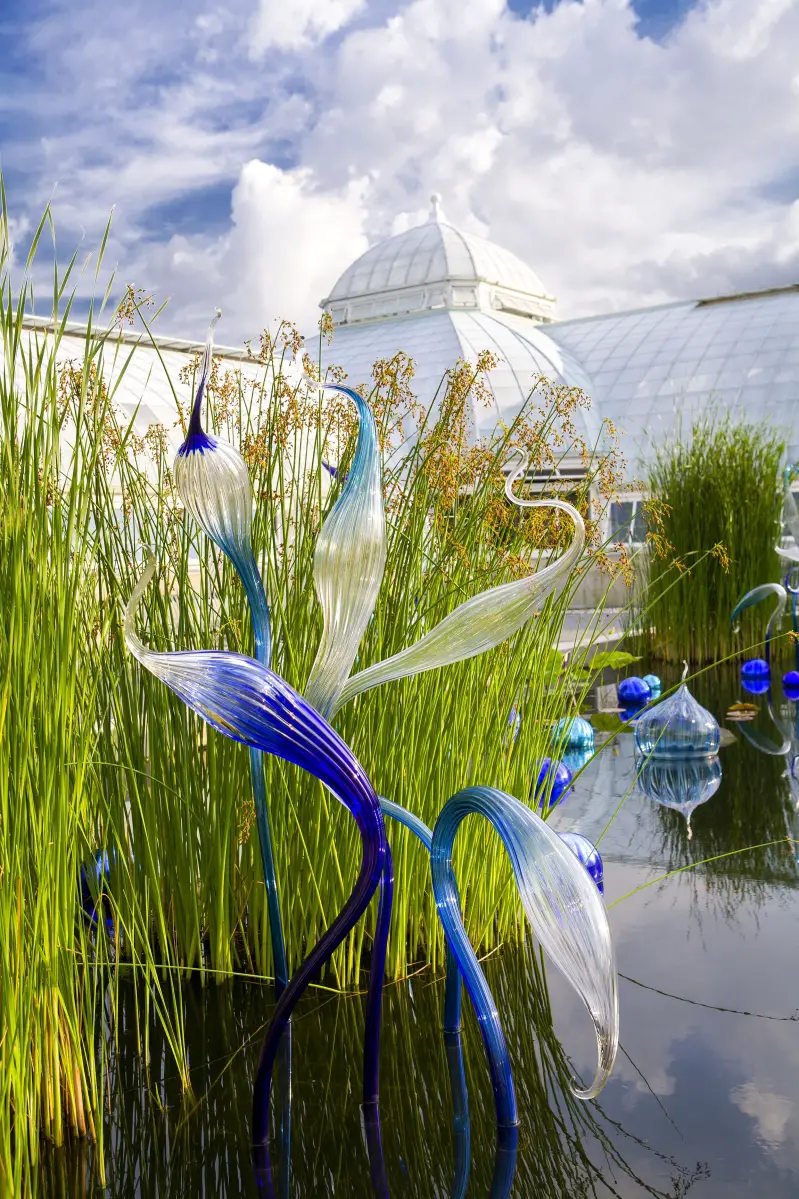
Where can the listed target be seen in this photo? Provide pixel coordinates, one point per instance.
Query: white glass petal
(480, 623)
(349, 561)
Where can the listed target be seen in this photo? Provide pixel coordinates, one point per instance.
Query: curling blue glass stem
(375, 867)
(471, 800)
(452, 994)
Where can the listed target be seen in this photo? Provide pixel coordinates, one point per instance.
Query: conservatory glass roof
(651, 367)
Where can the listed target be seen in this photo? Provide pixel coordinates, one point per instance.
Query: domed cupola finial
(436, 211)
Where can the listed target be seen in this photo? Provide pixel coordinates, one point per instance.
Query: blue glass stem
(372, 870)
(453, 1045)
(449, 910)
(259, 613)
(374, 998)
(452, 994)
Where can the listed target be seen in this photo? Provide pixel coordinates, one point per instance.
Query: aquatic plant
(716, 484)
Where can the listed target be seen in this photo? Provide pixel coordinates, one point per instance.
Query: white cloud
(289, 240)
(772, 1112)
(625, 172)
(294, 24)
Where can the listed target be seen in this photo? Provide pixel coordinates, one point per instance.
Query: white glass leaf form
(349, 561)
(562, 904)
(790, 516)
(214, 485)
(480, 623)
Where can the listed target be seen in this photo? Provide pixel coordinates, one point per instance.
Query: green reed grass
(718, 498)
(95, 755)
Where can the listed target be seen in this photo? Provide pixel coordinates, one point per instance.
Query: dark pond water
(704, 1099)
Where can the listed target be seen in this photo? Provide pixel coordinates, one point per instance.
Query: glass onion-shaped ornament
(680, 784)
(678, 727)
(573, 732)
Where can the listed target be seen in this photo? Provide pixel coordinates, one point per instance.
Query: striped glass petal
(247, 701)
(349, 561)
(480, 623)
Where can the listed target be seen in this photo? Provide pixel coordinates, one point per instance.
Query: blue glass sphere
(100, 868)
(573, 732)
(633, 692)
(678, 727)
(588, 854)
(680, 784)
(756, 686)
(653, 682)
(790, 684)
(554, 780)
(755, 668)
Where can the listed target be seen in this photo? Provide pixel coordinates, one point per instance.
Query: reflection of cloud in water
(772, 1112)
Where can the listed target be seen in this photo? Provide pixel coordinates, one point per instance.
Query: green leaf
(614, 659)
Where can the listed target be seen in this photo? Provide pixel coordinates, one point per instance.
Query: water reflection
(437, 1137)
(679, 785)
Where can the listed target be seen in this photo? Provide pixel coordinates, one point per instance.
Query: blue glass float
(633, 692)
(755, 668)
(654, 683)
(678, 727)
(756, 686)
(575, 759)
(100, 868)
(514, 724)
(573, 732)
(679, 784)
(554, 780)
(790, 684)
(588, 854)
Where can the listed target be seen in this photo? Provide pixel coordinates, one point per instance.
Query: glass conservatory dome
(434, 266)
(440, 294)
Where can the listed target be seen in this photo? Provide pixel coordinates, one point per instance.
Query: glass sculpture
(573, 732)
(790, 515)
(755, 666)
(792, 587)
(680, 784)
(677, 727)
(551, 882)
(553, 781)
(790, 684)
(213, 483)
(588, 854)
(654, 683)
(244, 699)
(633, 692)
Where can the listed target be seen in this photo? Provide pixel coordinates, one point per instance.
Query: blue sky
(633, 151)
